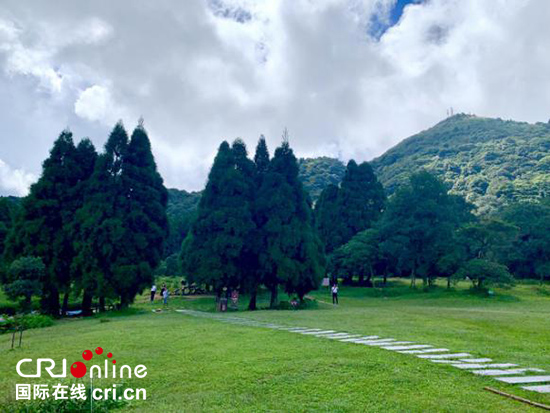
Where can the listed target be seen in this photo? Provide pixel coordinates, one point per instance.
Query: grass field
(197, 364)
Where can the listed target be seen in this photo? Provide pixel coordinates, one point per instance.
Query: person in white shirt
(335, 293)
(153, 292)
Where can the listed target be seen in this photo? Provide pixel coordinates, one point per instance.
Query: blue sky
(380, 24)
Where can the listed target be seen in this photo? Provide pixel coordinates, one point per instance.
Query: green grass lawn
(197, 364)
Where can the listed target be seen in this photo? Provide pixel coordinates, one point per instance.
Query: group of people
(164, 293)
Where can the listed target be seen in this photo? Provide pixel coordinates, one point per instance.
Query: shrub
(26, 321)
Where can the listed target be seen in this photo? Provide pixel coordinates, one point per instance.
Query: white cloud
(14, 181)
(95, 104)
(204, 71)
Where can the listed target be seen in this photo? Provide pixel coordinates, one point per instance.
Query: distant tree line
(93, 226)
(96, 227)
(423, 232)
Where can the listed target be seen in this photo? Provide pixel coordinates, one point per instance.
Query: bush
(483, 273)
(26, 321)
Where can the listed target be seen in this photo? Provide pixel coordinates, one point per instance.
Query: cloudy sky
(349, 78)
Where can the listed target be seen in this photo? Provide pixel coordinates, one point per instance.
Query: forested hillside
(318, 173)
(489, 161)
(181, 209)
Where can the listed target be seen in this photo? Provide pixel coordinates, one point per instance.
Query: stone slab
(415, 346)
(320, 332)
(538, 389)
(484, 366)
(385, 340)
(524, 379)
(396, 343)
(429, 350)
(353, 340)
(346, 336)
(492, 372)
(443, 356)
(482, 360)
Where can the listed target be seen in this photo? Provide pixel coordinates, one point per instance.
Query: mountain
(489, 161)
(181, 209)
(317, 173)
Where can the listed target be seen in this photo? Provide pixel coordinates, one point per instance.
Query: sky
(348, 78)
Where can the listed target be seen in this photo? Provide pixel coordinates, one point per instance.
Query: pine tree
(259, 243)
(43, 228)
(217, 251)
(145, 221)
(99, 229)
(327, 218)
(294, 256)
(343, 212)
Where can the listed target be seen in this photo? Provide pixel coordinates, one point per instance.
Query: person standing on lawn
(165, 295)
(153, 292)
(335, 293)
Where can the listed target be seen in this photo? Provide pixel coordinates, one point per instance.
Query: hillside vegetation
(318, 173)
(491, 162)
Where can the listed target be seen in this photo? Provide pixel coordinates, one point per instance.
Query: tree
(484, 272)
(43, 229)
(99, 229)
(327, 218)
(181, 211)
(529, 252)
(355, 206)
(360, 256)
(24, 279)
(488, 238)
(145, 220)
(8, 210)
(418, 225)
(294, 256)
(215, 250)
(259, 241)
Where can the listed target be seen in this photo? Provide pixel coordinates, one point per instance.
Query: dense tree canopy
(418, 225)
(355, 206)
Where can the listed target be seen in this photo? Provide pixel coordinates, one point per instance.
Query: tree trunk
(28, 303)
(102, 304)
(361, 279)
(448, 282)
(413, 277)
(65, 303)
(124, 302)
(87, 304)
(274, 296)
(385, 277)
(50, 302)
(253, 295)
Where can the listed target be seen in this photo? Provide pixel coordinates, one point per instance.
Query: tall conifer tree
(100, 226)
(43, 229)
(258, 242)
(294, 256)
(354, 207)
(216, 251)
(145, 221)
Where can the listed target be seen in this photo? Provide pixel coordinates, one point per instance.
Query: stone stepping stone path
(505, 372)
